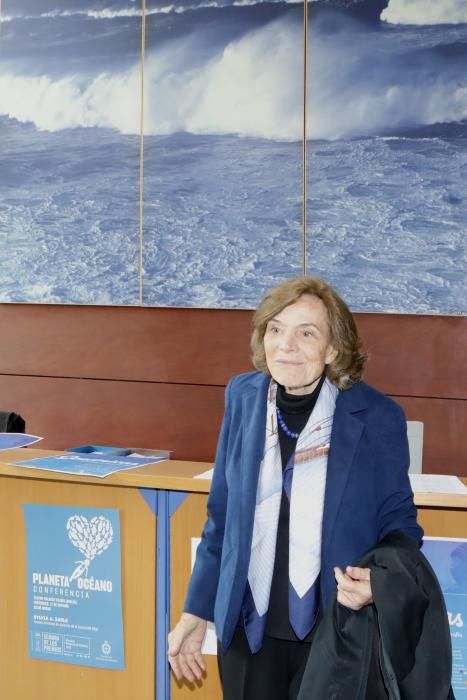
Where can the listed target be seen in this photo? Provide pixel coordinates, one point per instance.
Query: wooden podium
(132, 492)
(162, 509)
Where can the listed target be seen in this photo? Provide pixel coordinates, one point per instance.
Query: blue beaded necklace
(286, 430)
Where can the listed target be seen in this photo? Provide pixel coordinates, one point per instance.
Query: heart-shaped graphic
(91, 537)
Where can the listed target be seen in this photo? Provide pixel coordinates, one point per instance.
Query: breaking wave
(253, 86)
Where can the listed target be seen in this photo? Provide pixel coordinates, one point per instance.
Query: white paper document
(205, 475)
(436, 483)
(210, 639)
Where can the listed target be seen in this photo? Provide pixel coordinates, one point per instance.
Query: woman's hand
(353, 587)
(184, 650)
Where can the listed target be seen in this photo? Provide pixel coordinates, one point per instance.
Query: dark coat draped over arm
(409, 620)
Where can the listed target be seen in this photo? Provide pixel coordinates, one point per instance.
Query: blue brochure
(91, 464)
(9, 441)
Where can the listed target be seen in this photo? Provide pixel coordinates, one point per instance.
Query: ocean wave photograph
(221, 193)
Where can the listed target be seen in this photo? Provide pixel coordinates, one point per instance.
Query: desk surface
(171, 474)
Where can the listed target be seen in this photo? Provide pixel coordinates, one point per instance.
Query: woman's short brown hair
(347, 367)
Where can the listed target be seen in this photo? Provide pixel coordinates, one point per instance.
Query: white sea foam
(53, 105)
(252, 88)
(348, 98)
(236, 91)
(108, 13)
(425, 12)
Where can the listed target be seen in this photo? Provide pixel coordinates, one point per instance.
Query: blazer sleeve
(203, 584)
(395, 505)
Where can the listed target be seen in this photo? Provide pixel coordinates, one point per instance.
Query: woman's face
(297, 345)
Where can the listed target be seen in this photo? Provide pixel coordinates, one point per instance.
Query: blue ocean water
(387, 153)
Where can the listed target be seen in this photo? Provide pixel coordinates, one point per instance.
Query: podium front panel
(23, 677)
(443, 522)
(186, 525)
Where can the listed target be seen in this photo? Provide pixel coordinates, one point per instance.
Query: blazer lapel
(254, 411)
(346, 432)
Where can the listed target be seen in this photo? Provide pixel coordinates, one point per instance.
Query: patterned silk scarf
(304, 481)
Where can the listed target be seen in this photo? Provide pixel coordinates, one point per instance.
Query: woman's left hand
(353, 587)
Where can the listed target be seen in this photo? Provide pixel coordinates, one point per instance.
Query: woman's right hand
(184, 650)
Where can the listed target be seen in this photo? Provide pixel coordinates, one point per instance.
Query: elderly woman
(310, 473)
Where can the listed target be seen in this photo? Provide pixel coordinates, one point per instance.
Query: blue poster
(74, 585)
(448, 557)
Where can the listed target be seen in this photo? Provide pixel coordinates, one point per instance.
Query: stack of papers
(436, 483)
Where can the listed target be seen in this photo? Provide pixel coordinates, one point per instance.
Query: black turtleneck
(295, 409)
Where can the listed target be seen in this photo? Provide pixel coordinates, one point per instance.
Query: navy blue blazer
(367, 493)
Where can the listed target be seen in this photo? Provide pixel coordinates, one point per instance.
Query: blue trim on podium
(162, 680)
(176, 498)
(150, 496)
(163, 504)
(166, 503)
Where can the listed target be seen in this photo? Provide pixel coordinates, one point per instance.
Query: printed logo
(90, 537)
(106, 648)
